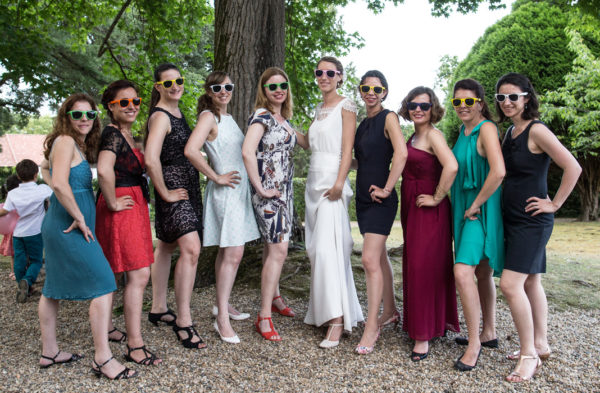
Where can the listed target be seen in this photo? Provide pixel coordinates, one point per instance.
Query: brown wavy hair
(261, 98)
(205, 101)
(62, 126)
(437, 111)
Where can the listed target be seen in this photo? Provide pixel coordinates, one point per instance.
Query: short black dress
(526, 176)
(374, 153)
(173, 220)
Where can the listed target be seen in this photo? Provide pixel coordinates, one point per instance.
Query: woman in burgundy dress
(122, 218)
(428, 281)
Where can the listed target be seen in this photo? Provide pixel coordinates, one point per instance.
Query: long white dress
(328, 238)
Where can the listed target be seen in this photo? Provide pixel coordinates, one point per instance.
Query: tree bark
(249, 37)
(588, 186)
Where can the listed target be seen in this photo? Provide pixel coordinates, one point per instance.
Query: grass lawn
(573, 264)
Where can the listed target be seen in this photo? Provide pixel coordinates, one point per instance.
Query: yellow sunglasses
(169, 83)
(367, 89)
(469, 102)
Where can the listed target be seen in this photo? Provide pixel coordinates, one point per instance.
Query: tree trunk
(588, 186)
(249, 37)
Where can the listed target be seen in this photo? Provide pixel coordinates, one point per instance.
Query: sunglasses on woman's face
(273, 86)
(78, 115)
(469, 102)
(367, 89)
(217, 88)
(513, 97)
(425, 106)
(169, 83)
(329, 73)
(124, 102)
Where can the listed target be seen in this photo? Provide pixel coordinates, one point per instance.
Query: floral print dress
(276, 170)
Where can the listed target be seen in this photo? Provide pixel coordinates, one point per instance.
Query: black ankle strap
(55, 356)
(103, 364)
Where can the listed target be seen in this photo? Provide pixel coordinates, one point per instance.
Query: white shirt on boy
(28, 201)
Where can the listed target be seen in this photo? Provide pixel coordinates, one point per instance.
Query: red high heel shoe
(271, 334)
(286, 311)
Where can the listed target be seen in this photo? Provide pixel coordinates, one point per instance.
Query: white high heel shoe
(231, 340)
(239, 317)
(328, 343)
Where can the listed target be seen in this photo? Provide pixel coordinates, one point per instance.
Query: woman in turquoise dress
(228, 217)
(477, 218)
(76, 268)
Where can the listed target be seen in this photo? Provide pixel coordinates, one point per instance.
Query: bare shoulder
(489, 128)
(540, 130)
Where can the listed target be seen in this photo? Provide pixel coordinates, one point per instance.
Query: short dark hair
(437, 111)
(473, 85)
(379, 75)
(27, 170)
(532, 107)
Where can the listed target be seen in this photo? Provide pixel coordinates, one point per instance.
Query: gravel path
(295, 364)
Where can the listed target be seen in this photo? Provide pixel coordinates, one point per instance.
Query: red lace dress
(125, 236)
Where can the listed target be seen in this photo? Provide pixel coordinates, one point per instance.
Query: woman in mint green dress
(477, 216)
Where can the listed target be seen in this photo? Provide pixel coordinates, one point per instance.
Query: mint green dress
(482, 238)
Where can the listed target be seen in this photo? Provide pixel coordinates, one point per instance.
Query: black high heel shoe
(460, 366)
(118, 340)
(149, 359)
(191, 332)
(122, 375)
(155, 318)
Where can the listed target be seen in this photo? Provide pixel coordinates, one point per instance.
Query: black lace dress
(173, 220)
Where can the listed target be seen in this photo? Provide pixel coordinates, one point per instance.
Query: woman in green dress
(478, 233)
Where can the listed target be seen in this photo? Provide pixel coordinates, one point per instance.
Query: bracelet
(439, 194)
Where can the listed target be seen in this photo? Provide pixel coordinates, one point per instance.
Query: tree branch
(117, 61)
(104, 45)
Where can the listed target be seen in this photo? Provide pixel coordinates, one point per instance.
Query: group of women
(249, 195)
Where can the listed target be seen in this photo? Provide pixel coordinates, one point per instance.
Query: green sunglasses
(274, 86)
(78, 115)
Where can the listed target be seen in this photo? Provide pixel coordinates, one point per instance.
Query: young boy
(28, 201)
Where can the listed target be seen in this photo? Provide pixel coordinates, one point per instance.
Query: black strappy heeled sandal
(147, 361)
(74, 357)
(122, 375)
(191, 332)
(156, 317)
(118, 340)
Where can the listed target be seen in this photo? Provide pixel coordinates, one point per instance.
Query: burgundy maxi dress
(427, 263)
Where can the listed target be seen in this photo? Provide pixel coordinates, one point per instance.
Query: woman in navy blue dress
(528, 148)
(378, 142)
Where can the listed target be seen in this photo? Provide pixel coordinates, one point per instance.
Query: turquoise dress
(482, 238)
(75, 269)
(228, 216)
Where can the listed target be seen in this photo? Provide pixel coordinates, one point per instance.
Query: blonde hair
(261, 98)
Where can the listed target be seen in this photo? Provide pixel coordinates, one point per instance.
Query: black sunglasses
(273, 86)
(217, 88)
(78, 115)
(425, 106)
(329, 73)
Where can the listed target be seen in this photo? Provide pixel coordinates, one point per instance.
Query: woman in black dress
(378, 142)
(528, 148)
(178, 219)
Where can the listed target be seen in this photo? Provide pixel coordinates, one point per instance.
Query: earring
(525, 105)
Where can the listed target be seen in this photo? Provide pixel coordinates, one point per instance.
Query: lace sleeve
(111, 140)
(350, 106)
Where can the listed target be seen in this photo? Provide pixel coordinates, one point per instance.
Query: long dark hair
(532, 106)
(155, 96)
(473, 85)
(205, 101)
(62, 126)
(111, 92)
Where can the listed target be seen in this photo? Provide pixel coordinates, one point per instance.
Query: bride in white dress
(333, 300)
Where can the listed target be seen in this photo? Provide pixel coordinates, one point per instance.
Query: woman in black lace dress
(178, 219)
